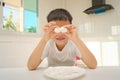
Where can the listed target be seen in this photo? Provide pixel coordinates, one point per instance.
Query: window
(19, 15)
(30, 15)
(11, 17)
(1, 4)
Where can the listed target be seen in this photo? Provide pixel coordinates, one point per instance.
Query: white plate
(64, 72)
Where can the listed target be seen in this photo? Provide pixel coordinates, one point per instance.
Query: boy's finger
(69, 27)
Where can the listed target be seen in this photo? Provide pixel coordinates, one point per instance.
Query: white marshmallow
(62, 29)
(57, 30)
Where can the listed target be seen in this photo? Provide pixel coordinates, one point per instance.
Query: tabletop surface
(100, 73)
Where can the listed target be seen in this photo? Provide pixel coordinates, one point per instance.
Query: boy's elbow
(93, 66)
(31, 67)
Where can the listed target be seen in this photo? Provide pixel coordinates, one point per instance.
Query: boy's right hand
(49, 30)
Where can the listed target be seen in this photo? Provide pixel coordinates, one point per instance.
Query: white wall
(45, 7)
(15, 50)
(100, 22)
(103, 28)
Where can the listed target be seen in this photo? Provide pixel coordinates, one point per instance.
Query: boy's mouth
(60, 38)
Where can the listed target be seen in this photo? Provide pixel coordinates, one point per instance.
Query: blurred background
(22, 21)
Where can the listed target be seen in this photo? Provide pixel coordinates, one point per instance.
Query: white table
(101, 73)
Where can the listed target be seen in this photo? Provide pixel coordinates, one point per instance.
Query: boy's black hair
(59, 14)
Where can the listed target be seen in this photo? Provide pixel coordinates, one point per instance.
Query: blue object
(99, 10)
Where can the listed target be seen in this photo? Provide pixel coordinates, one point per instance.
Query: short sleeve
(45, 51)
(76, 50)
(78, 53)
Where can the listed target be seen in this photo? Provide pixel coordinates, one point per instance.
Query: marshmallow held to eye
(57, 30)
(62, 29)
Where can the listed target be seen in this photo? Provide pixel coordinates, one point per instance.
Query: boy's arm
(87, 57)
(34, 59)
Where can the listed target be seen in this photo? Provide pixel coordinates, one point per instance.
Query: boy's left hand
(72, 32)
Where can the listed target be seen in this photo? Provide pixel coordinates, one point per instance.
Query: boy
(60, 43)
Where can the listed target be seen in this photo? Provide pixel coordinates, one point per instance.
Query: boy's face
(61, 38)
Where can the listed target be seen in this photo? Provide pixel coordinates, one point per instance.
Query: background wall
(99, 29)
(15, 50)
(100, 22)
(45, 7)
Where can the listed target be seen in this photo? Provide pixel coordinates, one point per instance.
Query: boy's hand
(72, 32)
(49, 30)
